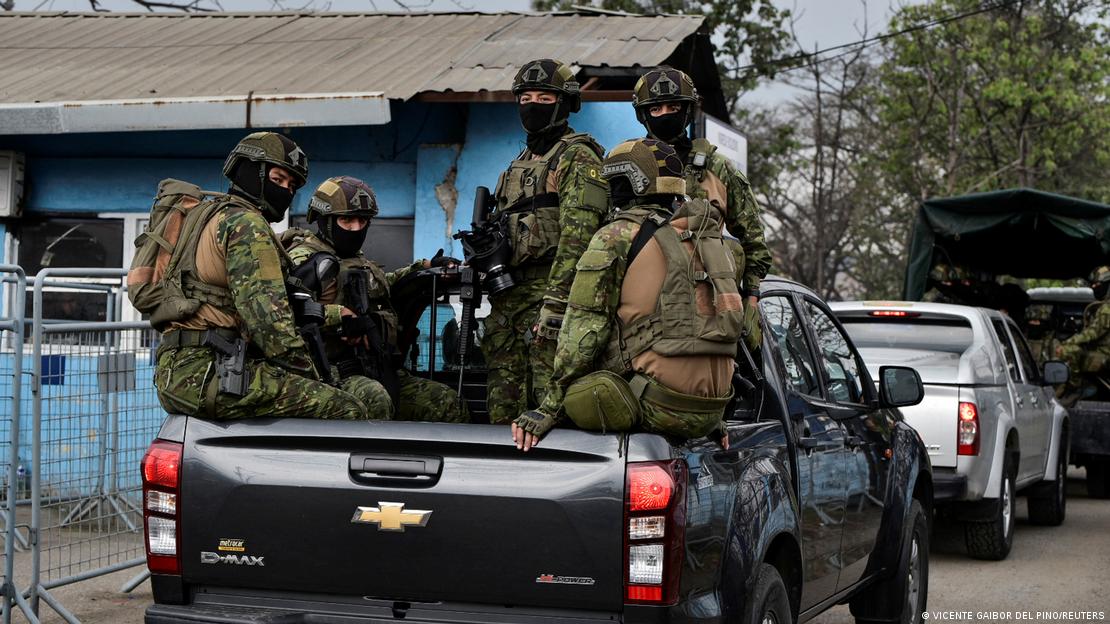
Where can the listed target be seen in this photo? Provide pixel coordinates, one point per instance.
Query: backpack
(159, 281)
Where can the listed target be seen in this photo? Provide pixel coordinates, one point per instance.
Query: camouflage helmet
(651, 167)
(941, 273)
(272, 148)
(342, 196)
(662, 85)
(549, 75)
(1099, 275)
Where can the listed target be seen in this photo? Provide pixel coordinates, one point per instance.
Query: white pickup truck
(990, 420)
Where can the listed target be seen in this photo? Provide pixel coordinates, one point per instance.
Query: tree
(749, 34)
(1014, 96)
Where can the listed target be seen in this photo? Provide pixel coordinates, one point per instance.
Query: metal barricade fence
(94, 411)
(16, 483)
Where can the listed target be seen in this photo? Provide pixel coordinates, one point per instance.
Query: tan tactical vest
(376, 282)
(529, 200)
(699, 310)
(174, 293)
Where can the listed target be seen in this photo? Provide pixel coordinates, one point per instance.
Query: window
(789, 336)
(1007, 349)
(389, 241)
(1028, 364)
(841, 365)
(943, 336)
(69, 243)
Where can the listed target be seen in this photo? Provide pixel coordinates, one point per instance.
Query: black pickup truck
(823, 497)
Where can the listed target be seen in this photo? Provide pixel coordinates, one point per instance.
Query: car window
(789, 337)
(1025, 356)
(1007, 349)
(841, 366)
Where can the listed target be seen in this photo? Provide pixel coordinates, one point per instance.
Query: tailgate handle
(396, 469)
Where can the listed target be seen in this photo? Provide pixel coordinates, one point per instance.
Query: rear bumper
(377, 613)
(949, 486)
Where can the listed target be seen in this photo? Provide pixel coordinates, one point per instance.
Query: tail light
(655, 527)
(967, 430)
(161, 470)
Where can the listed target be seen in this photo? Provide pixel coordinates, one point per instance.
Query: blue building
(95, 109)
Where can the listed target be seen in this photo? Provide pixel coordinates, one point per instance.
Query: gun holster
(231, 362)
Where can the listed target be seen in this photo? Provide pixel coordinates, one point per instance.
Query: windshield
(945, 336)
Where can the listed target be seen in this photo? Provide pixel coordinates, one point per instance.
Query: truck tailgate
(936, 418)
(404, 511)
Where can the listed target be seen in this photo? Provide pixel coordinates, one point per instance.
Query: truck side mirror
(899, 386)
(1055, 373)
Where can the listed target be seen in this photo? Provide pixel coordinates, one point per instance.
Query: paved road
(1050, 569)
(1063, 568)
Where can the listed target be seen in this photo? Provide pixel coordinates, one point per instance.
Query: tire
(1049, 507)
(1098, 471)
(992, 540)
(903, 597)
(769, 603)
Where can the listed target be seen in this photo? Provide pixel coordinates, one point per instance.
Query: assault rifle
(308, 315)
(375, 362)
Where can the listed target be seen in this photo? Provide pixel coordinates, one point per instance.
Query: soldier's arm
(743, 222)
(591, 311)
(1095, 332)
(257, 287)
(583, 202)
(328, 292)
(392, 277)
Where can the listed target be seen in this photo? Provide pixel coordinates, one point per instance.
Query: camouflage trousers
(665, 411)
(187, 384)
(419, 399)
(519, 366)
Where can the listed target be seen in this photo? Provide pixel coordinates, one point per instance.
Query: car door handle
(818, 444)
(1020, 401)
(1033, 397)
(409, 470)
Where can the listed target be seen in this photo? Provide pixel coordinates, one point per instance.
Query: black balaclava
(671, 129)
(544, 123)
(251, 181)
(347, 243)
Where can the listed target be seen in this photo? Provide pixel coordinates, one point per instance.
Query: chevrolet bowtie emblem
(391, 516)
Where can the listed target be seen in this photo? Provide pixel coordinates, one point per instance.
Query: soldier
(550, 200)
(666, 102)
(237, 354)
(654, 315)
(1087, 353)
(330, 264)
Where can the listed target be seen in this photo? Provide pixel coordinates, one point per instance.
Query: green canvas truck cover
(1018, 232)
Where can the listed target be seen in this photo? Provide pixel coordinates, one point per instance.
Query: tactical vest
(677, 326)
(530, 211)
(178, 292)
(696, 165)
(377, 284)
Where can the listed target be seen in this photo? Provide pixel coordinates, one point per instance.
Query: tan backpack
(159, 281)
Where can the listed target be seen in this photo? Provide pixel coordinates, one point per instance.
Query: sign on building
(729, 142)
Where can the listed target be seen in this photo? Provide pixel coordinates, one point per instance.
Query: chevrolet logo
(391, 516)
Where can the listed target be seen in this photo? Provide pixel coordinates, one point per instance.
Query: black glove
(440, 260)
(357, 326)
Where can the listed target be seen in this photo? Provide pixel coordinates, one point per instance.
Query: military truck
(1024, 233)
(824, 496)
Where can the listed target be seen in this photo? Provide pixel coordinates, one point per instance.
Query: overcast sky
(818, 23)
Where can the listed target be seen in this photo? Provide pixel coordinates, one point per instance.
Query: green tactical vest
(696, 165)
(676, 327)
(531, 212)
(377, 284)
(180, 291)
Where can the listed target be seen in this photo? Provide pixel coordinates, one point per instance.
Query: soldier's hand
(530, 427)
(548, 325)
(440, 260)
(752, 332)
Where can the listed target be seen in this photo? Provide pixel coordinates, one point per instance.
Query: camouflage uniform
(239, 281)
(1088, 352)
(419, 399)
(552, 202)
(712, 177)
(652, 354)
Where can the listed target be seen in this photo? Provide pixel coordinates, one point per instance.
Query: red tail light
(967, 430)
(655, 528)
(161, 470)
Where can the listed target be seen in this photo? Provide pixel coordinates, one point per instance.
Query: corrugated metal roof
(54, 57)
